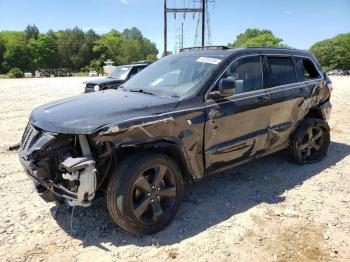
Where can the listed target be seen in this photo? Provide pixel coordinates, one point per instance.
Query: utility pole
(203, 22)
(182, 35)
(167, 10)
(165, 29)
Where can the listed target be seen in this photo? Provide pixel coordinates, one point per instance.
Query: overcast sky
(299, 22)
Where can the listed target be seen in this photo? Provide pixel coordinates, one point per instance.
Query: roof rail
(271, 47)
(197, 48)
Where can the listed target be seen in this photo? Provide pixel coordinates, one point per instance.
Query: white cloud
(289, 12)
(125, 2)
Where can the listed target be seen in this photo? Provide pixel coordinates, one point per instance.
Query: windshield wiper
(141, 91)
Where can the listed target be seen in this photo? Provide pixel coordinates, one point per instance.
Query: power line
(201, 10)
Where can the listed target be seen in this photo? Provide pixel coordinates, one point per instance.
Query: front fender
(177, 136)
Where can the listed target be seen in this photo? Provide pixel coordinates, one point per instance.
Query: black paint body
(204, 135)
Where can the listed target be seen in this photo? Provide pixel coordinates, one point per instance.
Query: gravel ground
(267, 210)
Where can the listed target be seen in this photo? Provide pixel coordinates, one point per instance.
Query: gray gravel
(267, 210)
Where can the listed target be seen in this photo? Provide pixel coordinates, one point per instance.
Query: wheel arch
(315, 113)
(172, 149)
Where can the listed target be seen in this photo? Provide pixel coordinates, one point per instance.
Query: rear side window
(282, 71)
(306, 70)
(247, 73)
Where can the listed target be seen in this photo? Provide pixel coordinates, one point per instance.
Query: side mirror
(227, 87)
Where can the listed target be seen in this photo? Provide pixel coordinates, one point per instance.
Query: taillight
(330, 87)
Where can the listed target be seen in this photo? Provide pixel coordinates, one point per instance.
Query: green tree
(31, 32)
(256, 37)
(16, 52)
(2, 52)
(71, 48)
(15, 73)
(43, 51)
(333, 53)
(108, 46)
(132, 34)
(124, 48)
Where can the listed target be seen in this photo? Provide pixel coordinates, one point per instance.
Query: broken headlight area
(62, 165)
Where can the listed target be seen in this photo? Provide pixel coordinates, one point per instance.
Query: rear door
(236, 127)
(310, 76)
(287, 99)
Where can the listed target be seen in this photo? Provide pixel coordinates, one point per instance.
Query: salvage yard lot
(266, 210)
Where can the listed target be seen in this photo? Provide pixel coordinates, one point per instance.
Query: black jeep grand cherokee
(184, 117)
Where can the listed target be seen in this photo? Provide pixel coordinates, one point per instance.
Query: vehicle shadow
(206, 203)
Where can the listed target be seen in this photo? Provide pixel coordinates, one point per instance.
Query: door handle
(262, 99)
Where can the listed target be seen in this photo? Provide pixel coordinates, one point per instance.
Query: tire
(310, 141)
(139, 202)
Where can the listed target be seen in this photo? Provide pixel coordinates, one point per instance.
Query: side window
(134, 71)
(282, 71)
(247, 73)
(140, 68)
(306, 70)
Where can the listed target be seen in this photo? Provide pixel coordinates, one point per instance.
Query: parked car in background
(187, 116)
(55, 72)
(93, 73)
(337, 72)
(118, 76)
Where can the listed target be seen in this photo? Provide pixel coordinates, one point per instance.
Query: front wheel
(310, 141)
(145, 192)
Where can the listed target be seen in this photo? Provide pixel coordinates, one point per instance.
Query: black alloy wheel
(154, 194)
(145, 192)
(310, 141)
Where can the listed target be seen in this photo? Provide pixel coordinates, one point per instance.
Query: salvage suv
(186, 116)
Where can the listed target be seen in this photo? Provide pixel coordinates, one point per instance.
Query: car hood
(104, 81)
(84, 114)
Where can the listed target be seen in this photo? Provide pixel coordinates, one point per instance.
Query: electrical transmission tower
(200, 7)
(179, 44)
(206, 36)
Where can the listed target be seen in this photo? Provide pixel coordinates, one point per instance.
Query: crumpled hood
(84, 114)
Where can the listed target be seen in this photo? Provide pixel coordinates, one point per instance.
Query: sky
(300, 23)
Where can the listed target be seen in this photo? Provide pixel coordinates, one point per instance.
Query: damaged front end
(62, 166)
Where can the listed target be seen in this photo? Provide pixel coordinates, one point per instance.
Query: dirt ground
(267, 210)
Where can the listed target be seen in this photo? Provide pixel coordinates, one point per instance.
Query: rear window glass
(306, 70)
(282, 71)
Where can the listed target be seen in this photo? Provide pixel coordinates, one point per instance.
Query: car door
(236, 127)
(288, 99)
(308, 74)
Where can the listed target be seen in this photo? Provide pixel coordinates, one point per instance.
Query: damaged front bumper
(56, 174)
(47, 189)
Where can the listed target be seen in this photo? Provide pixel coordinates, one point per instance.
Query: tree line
(73, 49)
(77, 50)
(333, 53)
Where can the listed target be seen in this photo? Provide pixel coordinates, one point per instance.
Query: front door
(236, 127)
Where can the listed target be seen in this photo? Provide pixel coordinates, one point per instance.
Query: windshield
(173, 76)
(120, 72)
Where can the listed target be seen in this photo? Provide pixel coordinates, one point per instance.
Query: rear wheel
(145, 193)
(310, 141)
